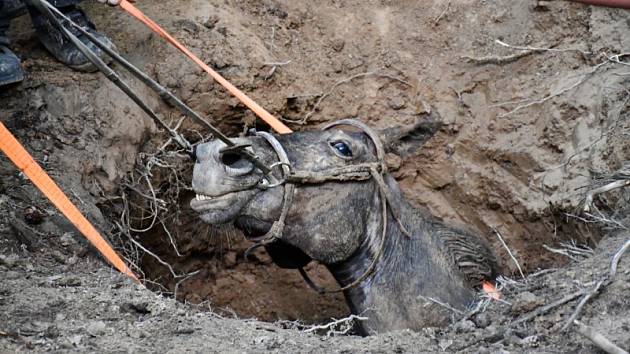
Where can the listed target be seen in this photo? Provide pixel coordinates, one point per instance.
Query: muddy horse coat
(331, 200)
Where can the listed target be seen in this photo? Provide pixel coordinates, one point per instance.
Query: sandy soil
(523, 139)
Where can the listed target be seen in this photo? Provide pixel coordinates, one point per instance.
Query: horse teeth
(200, 197)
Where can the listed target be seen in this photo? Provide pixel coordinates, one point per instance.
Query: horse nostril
(230, 158)
(235, 164)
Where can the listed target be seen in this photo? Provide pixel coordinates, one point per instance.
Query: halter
(358, 172)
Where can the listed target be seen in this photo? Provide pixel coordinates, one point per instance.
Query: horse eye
(342, 148)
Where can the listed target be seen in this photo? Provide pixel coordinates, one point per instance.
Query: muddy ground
(526, 134)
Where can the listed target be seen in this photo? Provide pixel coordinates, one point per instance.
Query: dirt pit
(527, 132)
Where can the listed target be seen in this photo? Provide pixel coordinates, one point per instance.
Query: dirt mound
(527, 131)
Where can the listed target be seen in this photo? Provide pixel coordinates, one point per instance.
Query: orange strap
(491, 290)
(277, 125)
(23, 160)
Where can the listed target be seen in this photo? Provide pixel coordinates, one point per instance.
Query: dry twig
(588, 201)
(446, 8)
(337, 327)
(520, 270)
(491, 59)
(603, 282)
(440, 303)
(545, 308)
(525, 51)
(598, 339)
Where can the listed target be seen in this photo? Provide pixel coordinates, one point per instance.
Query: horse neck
(415, 265)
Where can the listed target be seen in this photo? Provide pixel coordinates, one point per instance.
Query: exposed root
(621, 179)
(525, 51)
(603, 282)
(336, 327)
(608, 59)
(322, 96)
(598, 339)
(571, 250)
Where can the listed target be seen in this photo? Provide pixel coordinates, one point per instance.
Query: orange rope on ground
(25, 163)
(277, 125)
(491, 290)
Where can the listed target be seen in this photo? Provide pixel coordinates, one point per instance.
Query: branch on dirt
(542, 49)
(274, 66)
(598, 339)
(491, 59)
(513, 57)
(520, 270)
(532, 102)
(622, 177)
(337, 327)
(571, 250)
(603, 282)
(440, 303)
(546, 308)
(608, 59)
(446, 8)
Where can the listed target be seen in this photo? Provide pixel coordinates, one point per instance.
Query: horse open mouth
(220, 209)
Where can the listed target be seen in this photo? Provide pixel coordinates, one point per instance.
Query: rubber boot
(10, 68)
(60, 47)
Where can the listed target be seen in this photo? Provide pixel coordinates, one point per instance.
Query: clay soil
(525, 135)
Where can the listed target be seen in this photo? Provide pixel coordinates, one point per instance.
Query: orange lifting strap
(25, 163)
(277, 125)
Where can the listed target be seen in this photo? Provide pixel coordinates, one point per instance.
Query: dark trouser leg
(10, 68)
(10, 9)
(63, 3)
(4, 28)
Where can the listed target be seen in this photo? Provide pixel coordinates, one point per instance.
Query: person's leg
(63, 3)
(10, 68)
(11, 8)
(58, 45)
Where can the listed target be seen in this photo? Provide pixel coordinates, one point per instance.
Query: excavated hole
(231, 284)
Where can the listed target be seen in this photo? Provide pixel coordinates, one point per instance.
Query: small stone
(187, 25)
(397, 103)
(75, 340)
(465, 326)
(445, 344)
(337, 44)
(136, 333)
(97, 328)
(67, 239)
(525, 302)
(482, 320)
(230, 259)
(67, 281)
(393, 161)
(59, 257)
(9, 261)
(33, 215)
(52, 332)
(211, 22)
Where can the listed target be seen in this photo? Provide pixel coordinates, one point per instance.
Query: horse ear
(407, 139)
